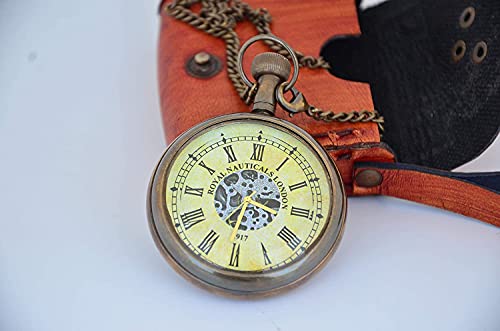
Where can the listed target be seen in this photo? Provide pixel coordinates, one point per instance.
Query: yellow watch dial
(248, 197)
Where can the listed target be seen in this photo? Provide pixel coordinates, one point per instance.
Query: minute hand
(266, 208)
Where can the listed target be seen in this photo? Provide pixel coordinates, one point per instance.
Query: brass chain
(353, 116)
(219, 18)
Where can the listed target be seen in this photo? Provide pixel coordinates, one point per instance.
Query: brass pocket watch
(248, 204)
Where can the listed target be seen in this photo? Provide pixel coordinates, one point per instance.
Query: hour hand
(237, 208)
(233, 212)
(238, 221)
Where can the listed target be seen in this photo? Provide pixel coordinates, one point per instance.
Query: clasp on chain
(298, 103)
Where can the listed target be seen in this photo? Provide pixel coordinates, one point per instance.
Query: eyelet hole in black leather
(480, 51)
(458, 51)
(467, 17)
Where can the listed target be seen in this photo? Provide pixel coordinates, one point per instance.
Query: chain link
(362, 116)
(219, 18)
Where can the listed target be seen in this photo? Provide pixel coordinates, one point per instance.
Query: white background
(79, 135)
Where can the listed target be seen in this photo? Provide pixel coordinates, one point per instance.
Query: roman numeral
(230, 154)
(300, 212)
(289, 237)
(282, 164)
(297, 186)
(193, 191)
(208, 242)
(210, 170)
(235, 255)
(258, 152)
(192, 218)
(267, 260)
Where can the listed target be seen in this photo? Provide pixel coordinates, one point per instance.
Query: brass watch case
(231, 282)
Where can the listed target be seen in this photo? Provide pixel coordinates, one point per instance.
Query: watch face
(246, 204)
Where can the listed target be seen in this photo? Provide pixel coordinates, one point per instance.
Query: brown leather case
(305, 25)
(354, 147)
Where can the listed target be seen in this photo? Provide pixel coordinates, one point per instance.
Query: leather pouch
(187, 100)
(431, 119)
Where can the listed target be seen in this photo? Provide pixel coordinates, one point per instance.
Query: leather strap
(475, 195)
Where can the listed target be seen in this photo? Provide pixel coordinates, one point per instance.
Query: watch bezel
(232, 282)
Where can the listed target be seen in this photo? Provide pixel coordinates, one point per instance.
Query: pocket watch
(248, 204)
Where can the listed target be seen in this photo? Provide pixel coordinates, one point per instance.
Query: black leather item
(438, 112)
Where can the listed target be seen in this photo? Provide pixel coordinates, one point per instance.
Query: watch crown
(271, 64)
(269, 70)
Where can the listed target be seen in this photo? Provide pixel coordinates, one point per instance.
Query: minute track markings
(187, 166)
(275, 142)
(297, 156)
